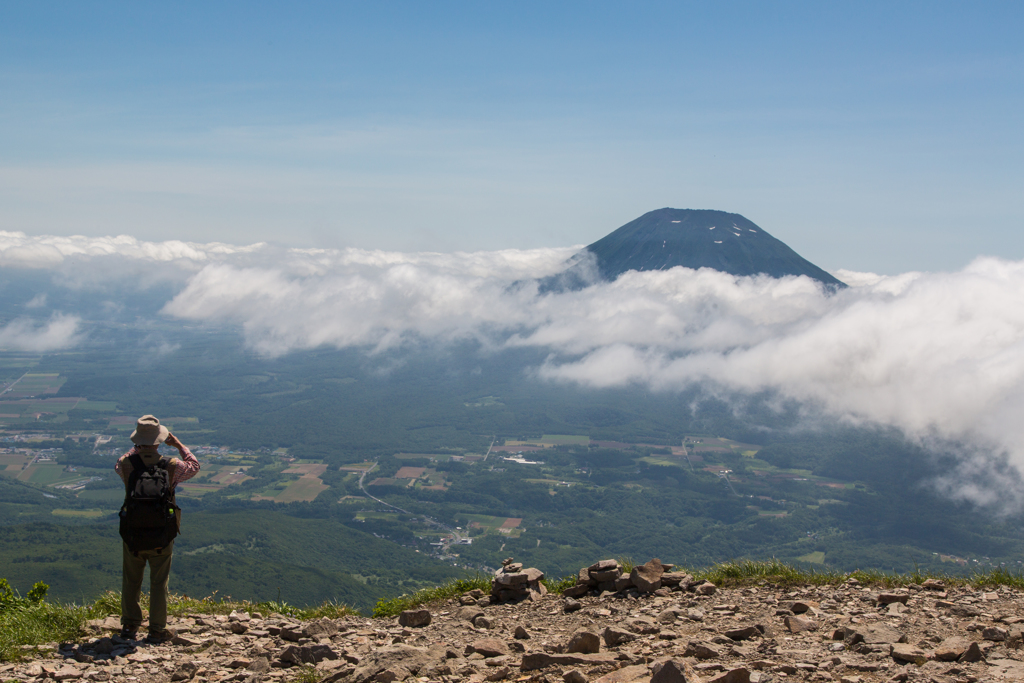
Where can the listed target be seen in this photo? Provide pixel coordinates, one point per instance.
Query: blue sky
(867, 136)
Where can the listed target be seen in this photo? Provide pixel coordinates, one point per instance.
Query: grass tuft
(39, 624)
(307, 673)
(559, 585)
(427, 596)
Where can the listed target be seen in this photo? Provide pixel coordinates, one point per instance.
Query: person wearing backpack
(149, 521)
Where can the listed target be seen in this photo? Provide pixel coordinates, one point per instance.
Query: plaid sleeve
(187, 467)
(123, 466)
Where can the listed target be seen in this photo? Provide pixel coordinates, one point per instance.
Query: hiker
(149, 522)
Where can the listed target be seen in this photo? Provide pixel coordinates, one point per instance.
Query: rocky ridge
(649, 624)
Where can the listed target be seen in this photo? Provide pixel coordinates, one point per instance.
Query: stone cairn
(512, 583)
(606, 578)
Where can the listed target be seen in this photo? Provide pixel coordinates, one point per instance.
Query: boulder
(951, 649)
(873, 634)
(470, 613)
(799, 624)
(801, 606)
(638, 673)
(995, 633)
(185, 671)
(584, 642)
(681, 579)
(971, 654)
(668, 616)
(577, 591)
(740, 675)
(540, 660)
(395, 662)
(743, 633)
(644, 625)
(307, 654)
(414, 618)
(904, 653)
(616, 636)
(321, 628)
(700, 650)
(603, 565)
(888, 598)
(647, 577)
(583, 577)
(605, 575)
(488, 647)
(673, 671)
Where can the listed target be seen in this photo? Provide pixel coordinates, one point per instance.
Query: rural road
(456, 536)
(11, 386)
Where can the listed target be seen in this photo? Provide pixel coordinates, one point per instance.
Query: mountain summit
(693, 238)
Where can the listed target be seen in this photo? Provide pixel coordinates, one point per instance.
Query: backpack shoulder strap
(138, 467)
(165, 465)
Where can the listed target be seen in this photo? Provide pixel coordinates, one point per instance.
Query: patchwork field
(127, 422)
(486, 524)
(32, 384)
(710, 444)
(47, 474)
(11, 463)
(304, 489)
(439, 457)
(83, 514)
(545, 441)
(357, 467)
(814, 558)
(410, 472)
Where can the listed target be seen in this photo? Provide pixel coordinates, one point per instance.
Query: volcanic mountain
(693, 238)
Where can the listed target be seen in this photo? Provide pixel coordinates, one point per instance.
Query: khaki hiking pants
(131, 586)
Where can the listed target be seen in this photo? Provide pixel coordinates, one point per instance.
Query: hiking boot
(128, 633)
(158, 637)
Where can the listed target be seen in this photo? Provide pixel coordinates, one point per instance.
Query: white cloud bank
(936, 355)
(22, 334)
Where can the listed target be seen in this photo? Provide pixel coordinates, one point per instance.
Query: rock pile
(512, 583)
(606, 577)
(846, 633)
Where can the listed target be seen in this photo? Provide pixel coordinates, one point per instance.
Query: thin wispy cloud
(23, 334)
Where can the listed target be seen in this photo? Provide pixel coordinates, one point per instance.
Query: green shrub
(559, 585)
(9, 598)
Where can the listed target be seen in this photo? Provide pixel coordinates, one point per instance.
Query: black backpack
(149, 518)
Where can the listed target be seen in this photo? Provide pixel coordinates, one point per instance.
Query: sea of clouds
(939, 356)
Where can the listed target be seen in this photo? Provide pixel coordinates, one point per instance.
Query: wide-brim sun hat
(149, 432)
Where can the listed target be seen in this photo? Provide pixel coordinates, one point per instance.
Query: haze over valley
(452, 406)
